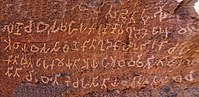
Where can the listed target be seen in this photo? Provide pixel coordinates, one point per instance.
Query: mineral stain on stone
(26, 90)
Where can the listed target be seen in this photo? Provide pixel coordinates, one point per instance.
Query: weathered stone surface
(38, 91)
(99, 48)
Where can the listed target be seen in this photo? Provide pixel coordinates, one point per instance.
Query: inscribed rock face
(98, 48)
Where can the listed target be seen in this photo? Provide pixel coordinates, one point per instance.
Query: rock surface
(99, 48)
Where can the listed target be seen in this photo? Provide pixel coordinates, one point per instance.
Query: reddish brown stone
(98, 48)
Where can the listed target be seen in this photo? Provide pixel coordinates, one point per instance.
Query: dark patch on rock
(169, 91)
(26, 90)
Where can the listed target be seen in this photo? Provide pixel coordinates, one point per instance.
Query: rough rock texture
(99, 48)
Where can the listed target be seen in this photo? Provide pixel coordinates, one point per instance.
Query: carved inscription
(102, 46)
